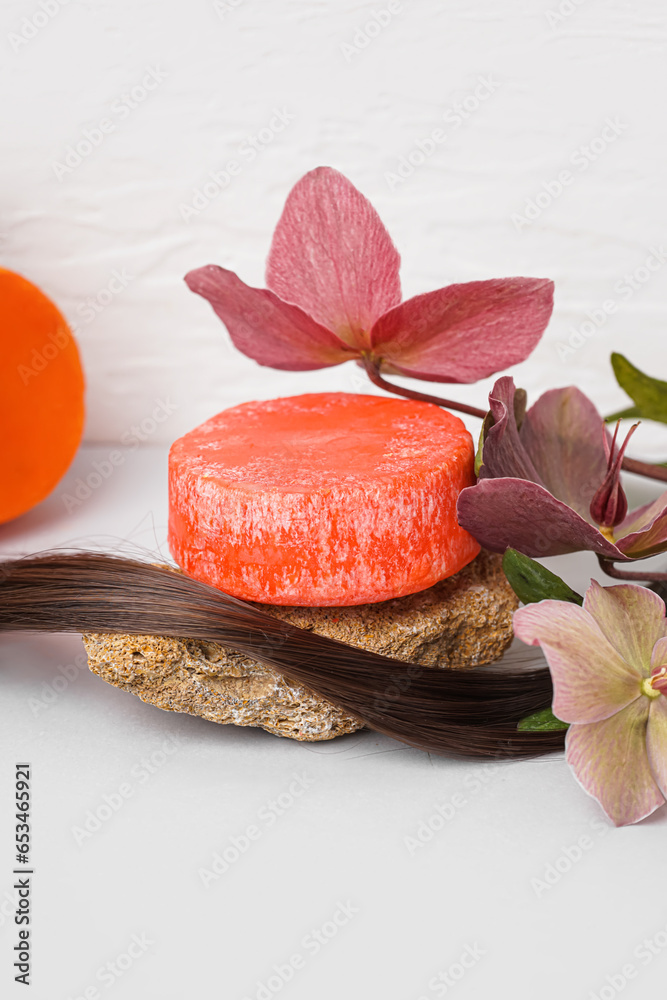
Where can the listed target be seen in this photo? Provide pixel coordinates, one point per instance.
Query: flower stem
(608, 567)
(645, 469)
(373, 372)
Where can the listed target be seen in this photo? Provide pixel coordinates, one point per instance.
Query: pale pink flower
(608, 661)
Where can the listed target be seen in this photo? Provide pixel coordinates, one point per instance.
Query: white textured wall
(220, 73)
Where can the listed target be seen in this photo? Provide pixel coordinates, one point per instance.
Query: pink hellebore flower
(550, 483)
(608, 661)
(334, 295)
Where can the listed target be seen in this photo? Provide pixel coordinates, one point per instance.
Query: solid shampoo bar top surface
(321, 499)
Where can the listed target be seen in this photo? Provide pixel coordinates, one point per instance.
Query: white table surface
(479, 888)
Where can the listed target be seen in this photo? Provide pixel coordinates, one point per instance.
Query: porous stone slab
(462, 622)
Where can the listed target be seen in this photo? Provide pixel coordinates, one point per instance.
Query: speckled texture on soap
(321, 499)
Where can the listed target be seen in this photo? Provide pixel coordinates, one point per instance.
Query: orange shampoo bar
(321, 499)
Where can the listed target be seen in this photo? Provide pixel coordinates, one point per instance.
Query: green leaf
(648, 394)
(532, 582)
(487, 423)
(631, 413)
(540, 722)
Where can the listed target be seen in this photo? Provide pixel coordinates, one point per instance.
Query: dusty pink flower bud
(609, 506)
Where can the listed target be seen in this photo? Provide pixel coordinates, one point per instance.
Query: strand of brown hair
(470, 714)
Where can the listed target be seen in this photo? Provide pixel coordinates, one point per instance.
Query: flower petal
(504, 454)
(656, 741)
(564, 435)
(644, 531)
(643, 517)
(591, 679)
(332, 256)
(463, 333)
(513, 512)
(631, 617)
(265, 328)
(659, 656)
(610, 761)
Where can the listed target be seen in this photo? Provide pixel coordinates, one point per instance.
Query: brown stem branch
(373, 373)
(645, 469)
(608, 567)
